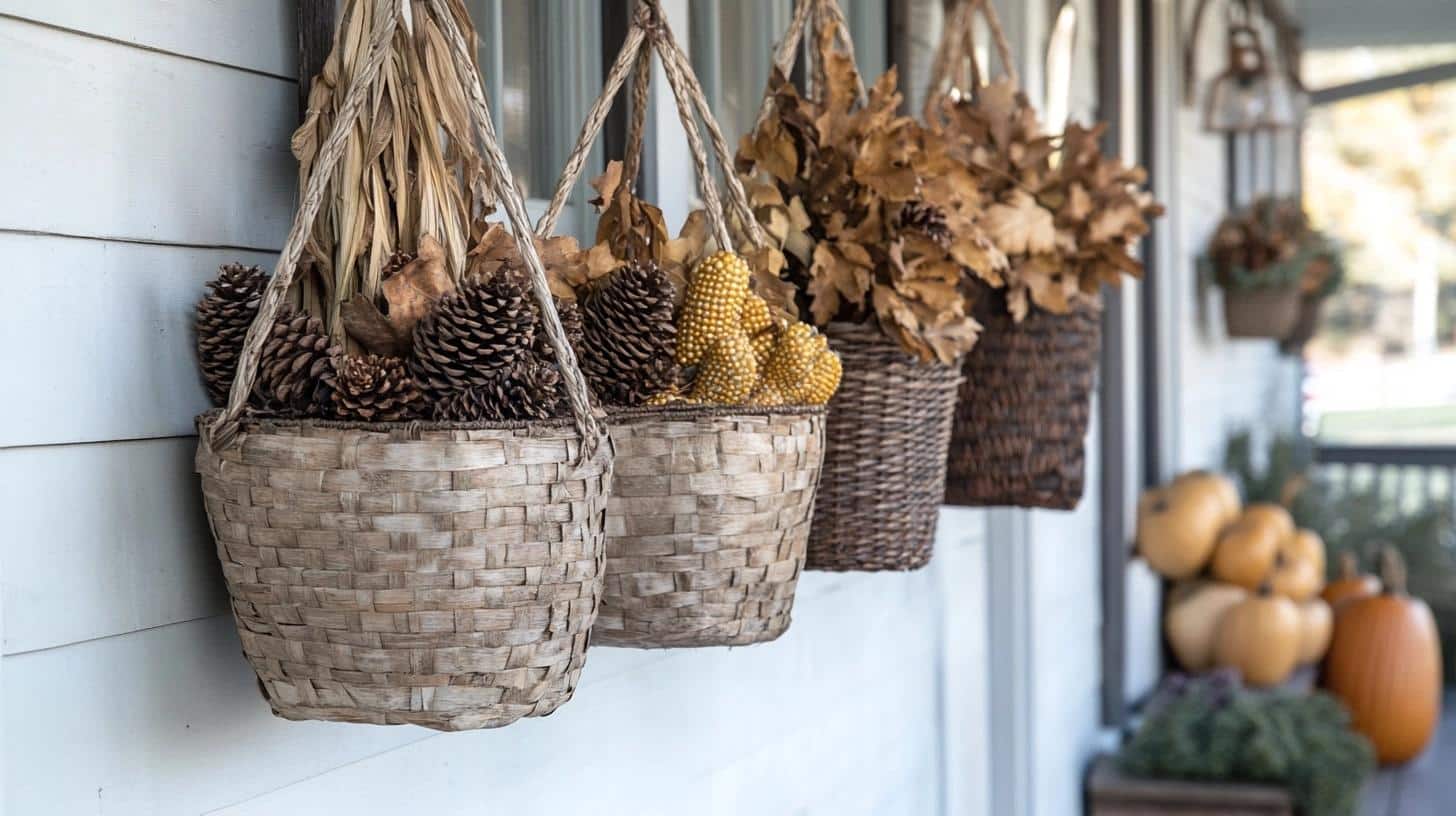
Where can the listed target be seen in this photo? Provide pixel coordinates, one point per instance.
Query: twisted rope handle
(576, 388)
(223, 431)
(958, 45)
(821, 14)
(650, 33)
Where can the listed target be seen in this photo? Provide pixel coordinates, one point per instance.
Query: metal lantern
(1245, 96)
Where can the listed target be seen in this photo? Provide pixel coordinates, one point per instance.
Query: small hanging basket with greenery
(1270, 263)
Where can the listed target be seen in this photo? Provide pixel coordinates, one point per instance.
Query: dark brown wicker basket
(1021, 425)
(1261, 313)
(1310, 307)
(884, 462)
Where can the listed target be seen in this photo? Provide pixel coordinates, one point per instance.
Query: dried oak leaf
(1020, 226)
(413, 291)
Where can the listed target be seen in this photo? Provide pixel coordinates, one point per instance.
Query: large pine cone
(926, 219)
(296, 357)
(528, 390)
(629, 335)
(374, 388)
(223, 317)
(473, 335)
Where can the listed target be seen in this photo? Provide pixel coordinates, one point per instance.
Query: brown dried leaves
(1065, 214)
(834, 186)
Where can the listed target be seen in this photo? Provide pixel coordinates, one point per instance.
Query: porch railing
(1413, 477)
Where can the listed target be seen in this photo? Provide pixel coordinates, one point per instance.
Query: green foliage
(1300, 742)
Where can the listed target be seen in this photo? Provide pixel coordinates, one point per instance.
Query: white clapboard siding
(169, 721)
(128, 370)
(960, 559)
(259, 35)
(101, 540)
(106, 140)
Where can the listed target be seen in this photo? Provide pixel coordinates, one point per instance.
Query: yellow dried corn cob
(713, 305)
(793, 357)
(756, 317)
(767, 395)
(823, 380)
(728, 373)
(763, 345)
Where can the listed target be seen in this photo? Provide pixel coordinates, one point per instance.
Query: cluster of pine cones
(480, 355)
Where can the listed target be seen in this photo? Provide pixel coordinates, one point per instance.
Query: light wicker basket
(708, 524)
(444, 576)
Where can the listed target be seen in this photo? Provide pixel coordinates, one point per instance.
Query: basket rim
(254, 423)
(635, 415)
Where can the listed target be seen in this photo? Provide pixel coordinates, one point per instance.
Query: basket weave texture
(884, 462)
(708, 524)
(1262, 313)
(410, 574)
(1021, 425)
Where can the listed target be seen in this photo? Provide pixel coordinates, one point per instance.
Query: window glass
(542, 62)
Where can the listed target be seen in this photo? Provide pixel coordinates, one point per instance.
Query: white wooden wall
(145, 142)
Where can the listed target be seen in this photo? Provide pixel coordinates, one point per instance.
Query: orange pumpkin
(1352, 584)
(1260, 636)
(1246, 551)
(1316, 627)
(1215, 486)
(1179, 523)
(1299, 566)
(1385, 665)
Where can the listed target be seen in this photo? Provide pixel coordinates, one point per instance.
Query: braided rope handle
(818, 15)
(223, 431)
(649, 33)
(577, 393)
(957, 47)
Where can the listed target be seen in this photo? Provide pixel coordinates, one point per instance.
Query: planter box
(1110, 792)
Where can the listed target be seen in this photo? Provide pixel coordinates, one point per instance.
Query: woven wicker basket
(1021, 424)
(708, 524)
(1263, 312)
(432, 575)
(884, 461)
(1305, 325)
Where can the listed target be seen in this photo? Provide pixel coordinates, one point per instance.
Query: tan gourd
(1260, 637)
(1316, 626)
(1299, 566)
(1246, 551)
(1219, 486)
(1195, 609)
(1179, 523)
(1385, 665)
(1352, 584)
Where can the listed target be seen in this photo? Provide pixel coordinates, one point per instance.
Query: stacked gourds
(1248, 586)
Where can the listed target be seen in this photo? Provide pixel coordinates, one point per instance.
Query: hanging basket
(708, 524)
(1305, 326)
(1021, 424)
(432, 574)
(707, 530)
(884, 464)
(1262, 312)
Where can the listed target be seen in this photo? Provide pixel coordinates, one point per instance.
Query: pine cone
(629, 335)
(528, 390)
(571, 322)
(374, 388)
(295, 359)
(473, 335)
(223, 317)
(926, 219)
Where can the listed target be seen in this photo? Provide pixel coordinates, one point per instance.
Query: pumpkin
(1385, 665)
(1316, 626)
(1217, 486)
(1299, 566)
(1351, 584)
(1246, 551)
(1260, 636)
(1179, 523)
(1195, 609)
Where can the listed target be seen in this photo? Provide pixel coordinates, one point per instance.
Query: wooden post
(315, 39)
